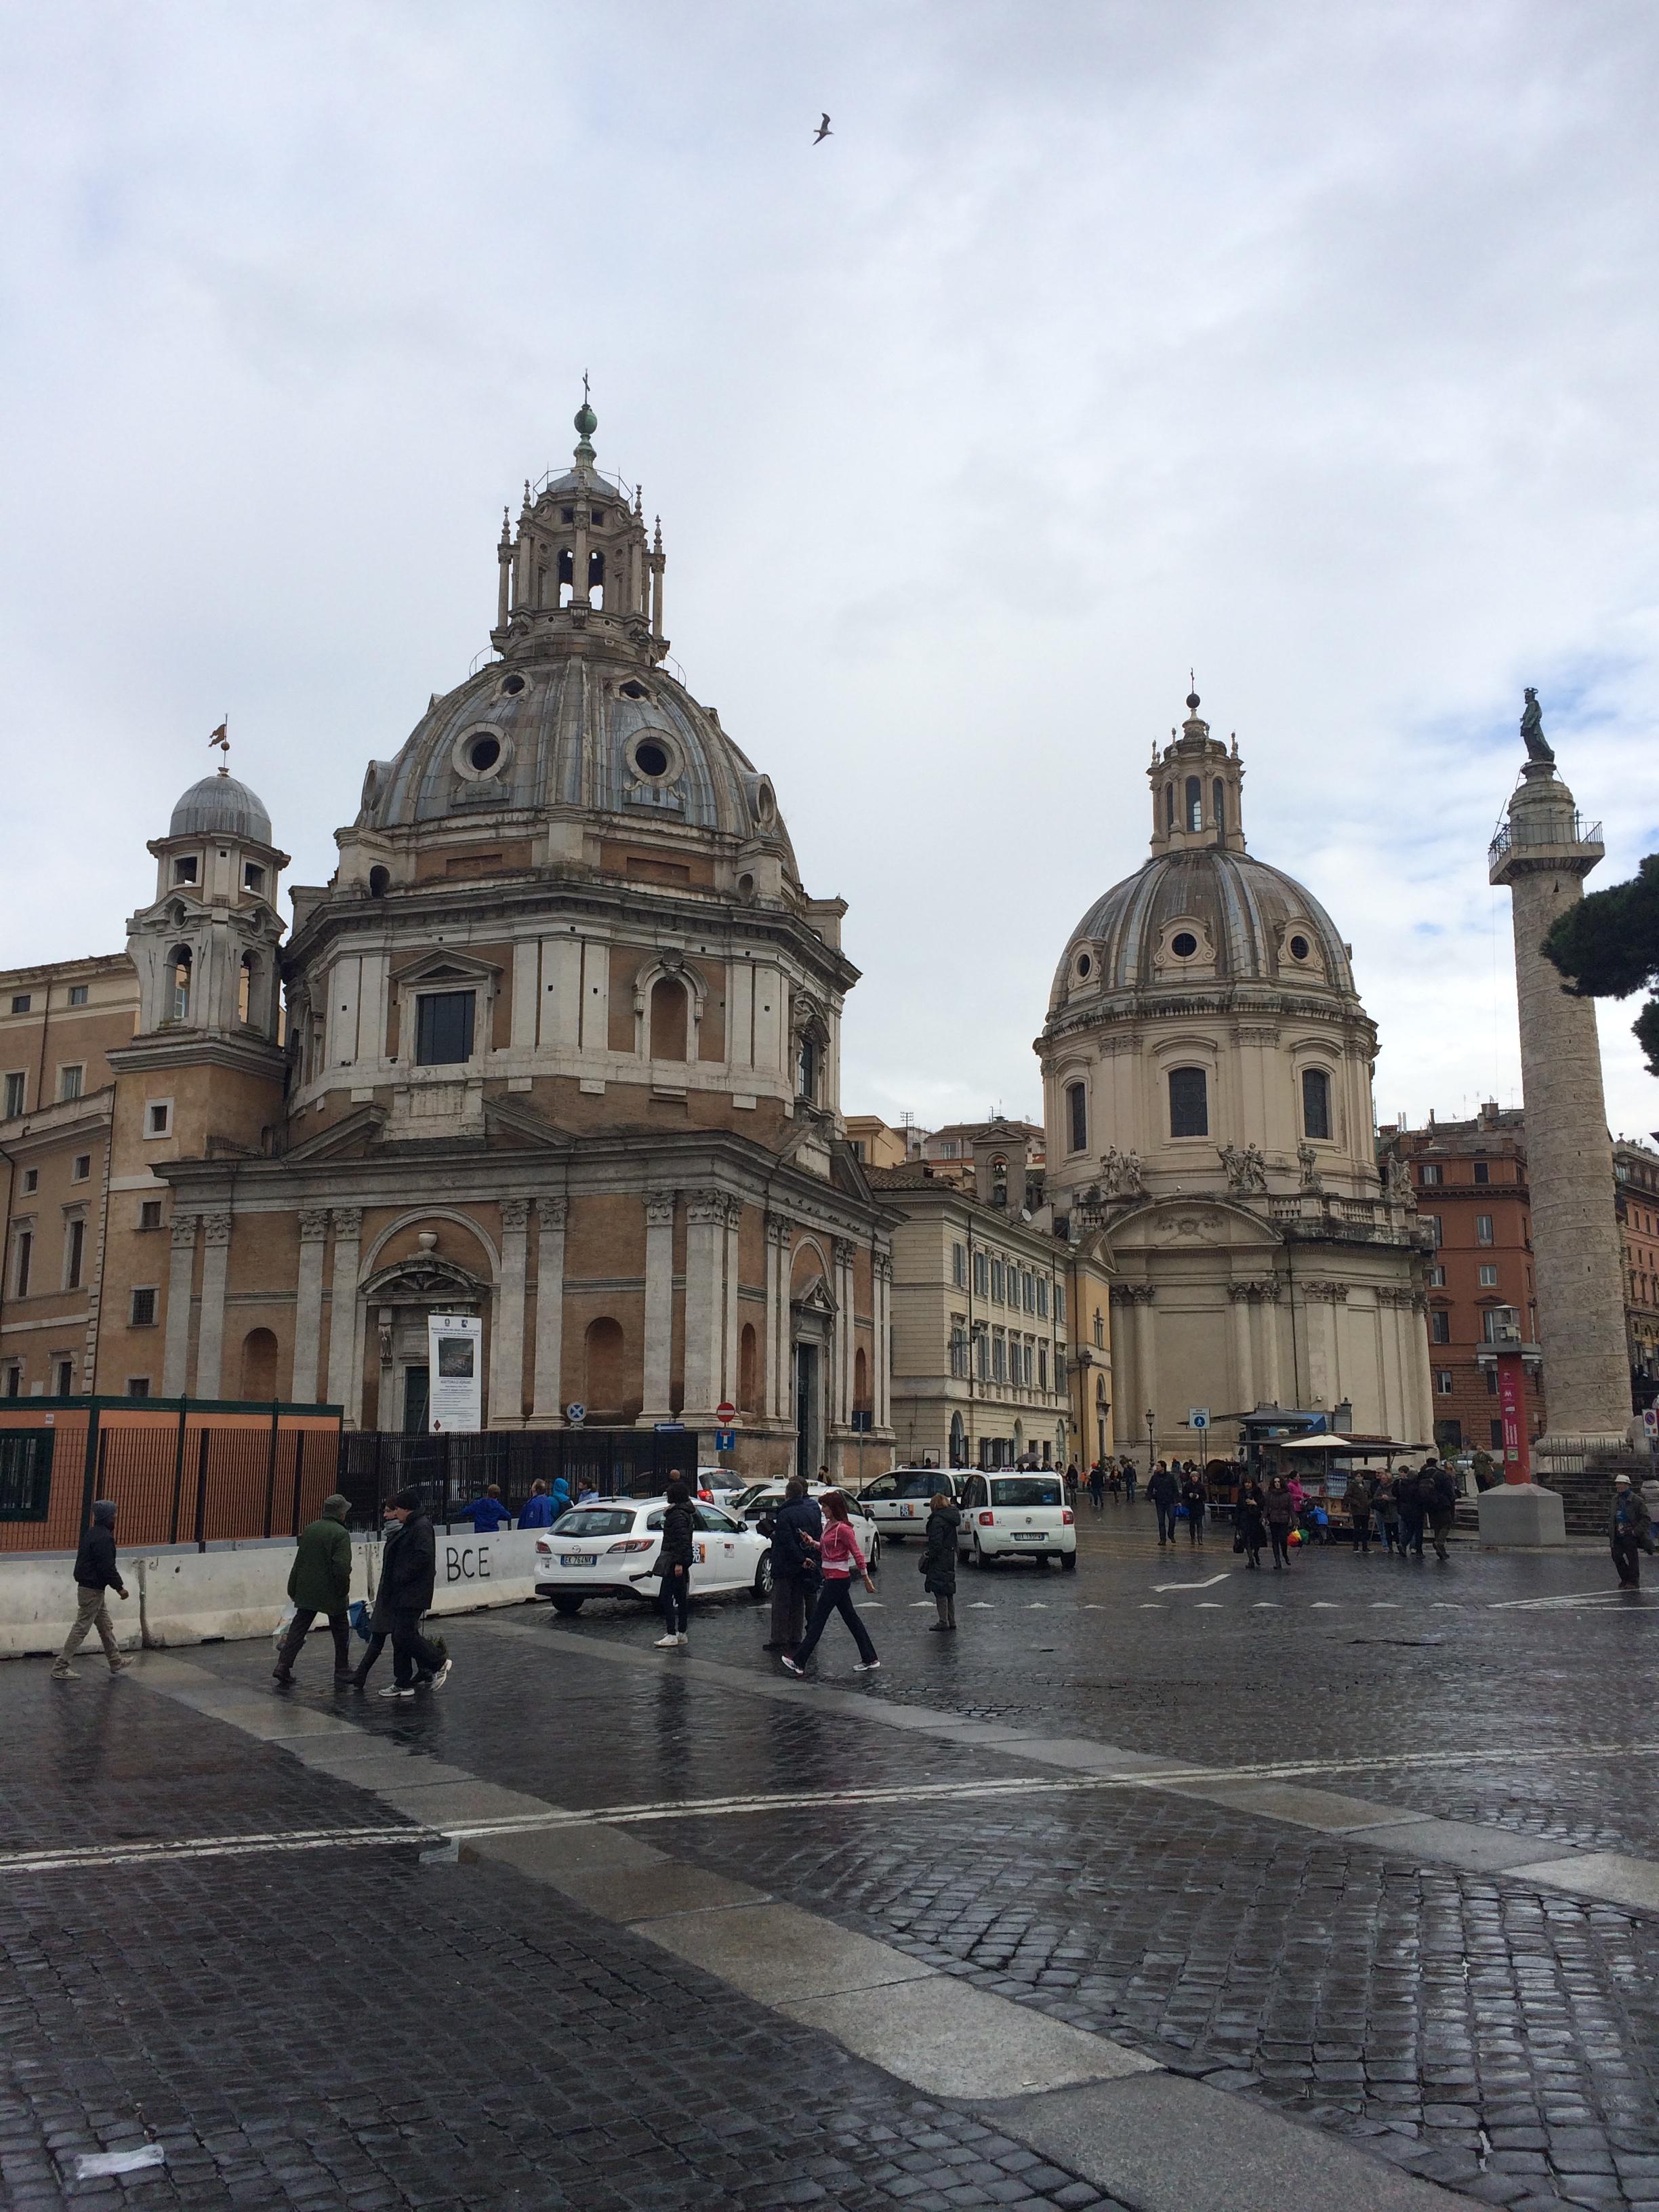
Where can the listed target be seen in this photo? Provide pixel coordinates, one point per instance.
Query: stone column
(308, 1307)
(507, 1362)
(845, 1253)
(734, 1329)
(881, 1380)
(1319, 1306)
(1146, 1347)
(1418, 1370)
(554, 1213)
(779, 1238)
(658, 1374)
(705, 1304)
(1271, 1295)
(181, 1281)
(345, 1381)
(1242, 1295)
(1543, 853)
(210, 1335)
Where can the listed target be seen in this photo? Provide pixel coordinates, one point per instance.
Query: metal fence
(450, 1471)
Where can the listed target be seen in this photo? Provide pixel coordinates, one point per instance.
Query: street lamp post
(1151, 1424)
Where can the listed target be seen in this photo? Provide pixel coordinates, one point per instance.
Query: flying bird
(822, 131)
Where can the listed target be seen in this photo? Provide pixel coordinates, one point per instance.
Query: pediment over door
(425, 1281)
(1186, 1224)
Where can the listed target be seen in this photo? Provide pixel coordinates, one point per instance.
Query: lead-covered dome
(220, 807)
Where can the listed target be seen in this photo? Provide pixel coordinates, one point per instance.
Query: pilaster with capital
(658, 1376)
(210, 1332)
(730, 1375)
(881, 1387)
(779, 1239)
(181, 1282)
(705, 1304)
(507, 1355)
(845, 1253)
(346, 1381)
(1242, 1297)
(308, 1304)
(552, 1217)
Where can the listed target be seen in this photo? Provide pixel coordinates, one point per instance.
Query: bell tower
(1197, 790)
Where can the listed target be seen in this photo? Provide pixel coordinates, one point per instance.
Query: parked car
(764, 1498)
(1008, 1516)
(610, 1550)
(897, 1501)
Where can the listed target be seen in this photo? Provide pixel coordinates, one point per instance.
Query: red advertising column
(1512, 1404)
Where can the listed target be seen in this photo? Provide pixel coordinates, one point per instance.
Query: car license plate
(1030, 1535)
(579, 1559)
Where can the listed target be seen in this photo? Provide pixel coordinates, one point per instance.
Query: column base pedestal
(1521, 1514)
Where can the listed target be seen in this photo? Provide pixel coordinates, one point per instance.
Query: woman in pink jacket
(838, 1555)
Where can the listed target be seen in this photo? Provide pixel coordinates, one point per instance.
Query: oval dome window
(1183, 945)
(650, 759)
(1299, 948)
(512, 685)
(483, 753)
(1084, 966)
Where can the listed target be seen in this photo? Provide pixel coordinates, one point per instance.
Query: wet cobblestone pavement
(355, 2027)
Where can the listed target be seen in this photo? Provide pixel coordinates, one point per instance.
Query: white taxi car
(761, 1497)
(610, 1550)
(898, 1502)
(1016, 1515)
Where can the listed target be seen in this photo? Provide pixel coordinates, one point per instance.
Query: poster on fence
(455, 1388)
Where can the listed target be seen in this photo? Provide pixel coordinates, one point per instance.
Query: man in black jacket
(795, 1565)
(409, 1571)
(1164, 1492)
(95, 1574)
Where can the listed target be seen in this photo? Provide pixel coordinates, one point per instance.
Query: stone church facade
(558, 1044)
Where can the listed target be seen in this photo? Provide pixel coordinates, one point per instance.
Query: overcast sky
(1311, 347)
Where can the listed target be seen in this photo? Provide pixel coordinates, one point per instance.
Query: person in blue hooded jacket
(560, 1496)
(537, 1507)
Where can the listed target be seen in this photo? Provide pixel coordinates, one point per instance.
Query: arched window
(668, 1019)
(1195, 803)
(808, 1067)
(749, 1370)
(1219, 798)
(245, 982)
(1190, 1102)
(180, 963)
(1077, 1117)
(596, 578)
(567, 574)
(380, 882)
(603, 1383)
(860, 1381)
(1169, 805)
(258, 1364)
(998, 1182)
(958, 1442)
(1316, 1102)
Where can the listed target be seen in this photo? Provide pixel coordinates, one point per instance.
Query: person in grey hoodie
(95, 1575)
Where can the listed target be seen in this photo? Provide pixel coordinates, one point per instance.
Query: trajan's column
(1543, 853)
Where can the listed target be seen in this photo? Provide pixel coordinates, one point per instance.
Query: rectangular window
(1439, 1325)
(19, 1004)
(1490, 1373)
(1077, 1116)
(1495, 1430)
(1430, 1172)
(24, 1263)
(1436, 1279)
(68, 1082)
(16, 1087)
(1028, 1291)
(25, 1466)
(1042, 1297)
(253, 877)
(1042, 1367)
(142, 1315)
(137, 1386)
(77, 994)
(959, 1350)
(998, 1356)
(959, 1266)
(1100, 1330)
(443, 1028)
(1025, 1363)
(981, 1276)
(1432, 1223)
(1190, 1102)
(1483, 1229)
(183, 871)
(74, 1253)
(31, 1181)
(1059, 1304)
(14, 1383)
(1488, 1279)
(1442, 1382)
(999, 1282)
(63, 1377)
(158, 1118)
(982, 1353)
(1482, 1172)
(81, 1167)
(150, 1213)
(1316, 1102)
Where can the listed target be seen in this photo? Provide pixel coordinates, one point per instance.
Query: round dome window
(1183, 945)
(512, 685)
(1299, 948)
(650, 759)
(483, 753)
(1085, 966)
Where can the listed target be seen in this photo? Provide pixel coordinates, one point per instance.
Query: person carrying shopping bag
(839, 1557)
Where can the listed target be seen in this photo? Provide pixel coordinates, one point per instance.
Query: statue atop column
(1532, 731)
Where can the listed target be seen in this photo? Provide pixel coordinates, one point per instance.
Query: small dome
(219, 806)
(1262, 926)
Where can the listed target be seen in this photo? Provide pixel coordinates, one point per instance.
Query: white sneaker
(682, 1640)
(666, 1644)
(442, 1675)
(397, 1690)
(867, 1666)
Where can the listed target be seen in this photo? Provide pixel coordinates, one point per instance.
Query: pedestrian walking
(1408, 1499)
(95, 1575)
(380, 1618)
(1440, 1493)
(1194, 1502)
(1359, 1497)
(793, 1530)
(938, 1559)
(537, 1507)
(487, 1514)
(1385, 1510)
(838, 1555)
(1279, 1511)
(674, 1563)
(1251, 1530)
(1073, 1482)
(560, 1494)
(1628, 1531)
(1164, 1492)
(1097, 1487)
(1131, 1477)
(319, 1581)
(408, 1573)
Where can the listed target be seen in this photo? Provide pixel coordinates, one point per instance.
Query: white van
(1010, 1513)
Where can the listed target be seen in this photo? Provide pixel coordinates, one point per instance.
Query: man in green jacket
(320, 1581)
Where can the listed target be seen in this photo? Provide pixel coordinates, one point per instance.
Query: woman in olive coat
(938, 1560)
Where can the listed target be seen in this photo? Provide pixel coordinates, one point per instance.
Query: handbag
(1238, 1539)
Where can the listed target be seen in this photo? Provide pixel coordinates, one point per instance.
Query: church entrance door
(416, 1383)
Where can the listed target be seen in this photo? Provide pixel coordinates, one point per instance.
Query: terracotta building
(1636, 1204)
(1473, 1196)
(558, 1044)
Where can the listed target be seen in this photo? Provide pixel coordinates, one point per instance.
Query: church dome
(220, 807)
(1204, 914)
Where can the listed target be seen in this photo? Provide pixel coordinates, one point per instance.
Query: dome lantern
(1197, 788)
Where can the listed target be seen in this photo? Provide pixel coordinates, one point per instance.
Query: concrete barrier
(196, 1597)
